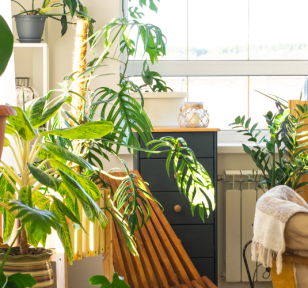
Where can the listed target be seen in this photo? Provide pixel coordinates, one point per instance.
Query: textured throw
(273, 211)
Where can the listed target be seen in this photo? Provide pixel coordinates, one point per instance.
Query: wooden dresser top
(182, 129)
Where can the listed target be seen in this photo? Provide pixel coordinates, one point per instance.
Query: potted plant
(128, 115)
(30, 22)
(68, 161)
(283, 160)
(161, 103)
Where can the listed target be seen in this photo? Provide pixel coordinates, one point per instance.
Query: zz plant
(283, 160)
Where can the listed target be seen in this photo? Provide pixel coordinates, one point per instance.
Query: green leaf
(253, 128)
(6, 44)
(104, 282)
(38, 222)
(63, 232)
(9, 219)
(90, 130)
(44, 178)
(247, 123)
(89, 186)
(22, 125)
(72, 5)
(64, 25)
(21, 280)
(62, 153)
(246, 149)
(74, 189)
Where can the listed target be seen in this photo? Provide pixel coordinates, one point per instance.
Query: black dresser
(198, 238)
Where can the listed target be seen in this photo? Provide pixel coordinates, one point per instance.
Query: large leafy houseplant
(283, 160)
(127, 115)
(58, 171)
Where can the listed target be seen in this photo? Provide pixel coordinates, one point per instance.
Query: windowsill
(223, 148)
(229, 142)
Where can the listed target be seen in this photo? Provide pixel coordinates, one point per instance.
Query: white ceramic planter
(163, 108)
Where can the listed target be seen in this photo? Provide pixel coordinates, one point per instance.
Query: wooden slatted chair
(287, 277)
(163, 262)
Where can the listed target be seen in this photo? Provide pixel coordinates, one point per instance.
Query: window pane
(171, 18)
(278, 30)
(177, 84)
(218, 30)
(224, 97)
(286, 87)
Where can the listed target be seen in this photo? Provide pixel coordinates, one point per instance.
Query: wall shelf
(44, 60)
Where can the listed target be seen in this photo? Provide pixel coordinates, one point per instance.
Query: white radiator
(241, 198)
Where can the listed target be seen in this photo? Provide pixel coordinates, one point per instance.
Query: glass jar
(193, 115)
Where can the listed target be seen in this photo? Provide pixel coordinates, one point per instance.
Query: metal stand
(252, 281)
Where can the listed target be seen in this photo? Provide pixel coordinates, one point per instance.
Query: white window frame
(201, 68)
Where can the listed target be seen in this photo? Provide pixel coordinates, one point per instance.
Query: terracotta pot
(4, 112)
(38, 266)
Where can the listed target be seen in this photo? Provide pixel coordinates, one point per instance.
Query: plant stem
(123, 8)
(20, 5)
(273, 167)
(23, 242)
(10, 248)
(32, 4)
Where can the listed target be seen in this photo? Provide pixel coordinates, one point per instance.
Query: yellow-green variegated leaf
(40, 111)
(6, 142)
(44, 178)
(66, 211)
(9, 129)
(3, 190)
(91, 130)
(63, 232)
(88, 204)
(25, 195)
(43, 203)
(57, 151)
(88, 185)
(8, 219)
(22, 125)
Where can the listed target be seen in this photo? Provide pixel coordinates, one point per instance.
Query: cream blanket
(274, 208)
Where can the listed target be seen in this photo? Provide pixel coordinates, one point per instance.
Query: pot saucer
(29, 40)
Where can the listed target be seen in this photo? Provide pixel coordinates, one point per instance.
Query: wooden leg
(108, 255)
(108, 265)
(62, 277)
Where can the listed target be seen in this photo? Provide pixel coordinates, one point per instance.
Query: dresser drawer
(169, 199)
(205, 267)
(201, 143)
(197, 240)
(154, 172)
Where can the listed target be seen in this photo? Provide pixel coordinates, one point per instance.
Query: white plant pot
(163, 108)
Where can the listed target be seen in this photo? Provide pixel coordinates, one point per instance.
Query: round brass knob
(177, 208)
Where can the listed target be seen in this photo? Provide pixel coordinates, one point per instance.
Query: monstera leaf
(104, 282)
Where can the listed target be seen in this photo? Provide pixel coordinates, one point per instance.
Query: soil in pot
(36, 263)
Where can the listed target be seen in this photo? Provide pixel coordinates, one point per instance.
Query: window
(223, 51)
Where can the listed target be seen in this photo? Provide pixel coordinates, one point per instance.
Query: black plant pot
(30, 28)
